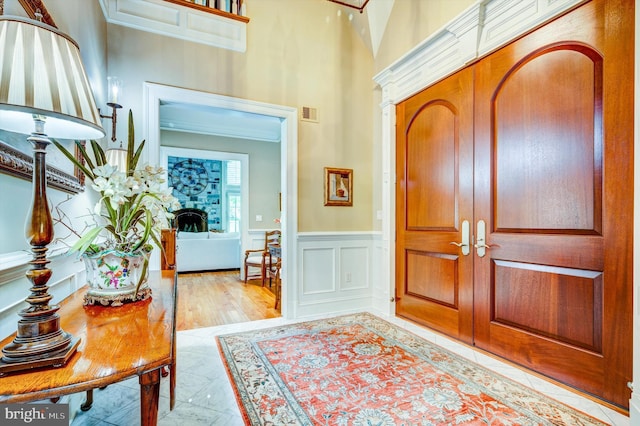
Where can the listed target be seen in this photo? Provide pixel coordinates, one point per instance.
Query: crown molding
(481, 29)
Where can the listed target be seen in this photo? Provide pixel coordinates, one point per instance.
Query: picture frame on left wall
(16, 160)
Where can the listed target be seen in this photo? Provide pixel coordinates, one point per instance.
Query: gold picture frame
(338, 187)
(16, 163)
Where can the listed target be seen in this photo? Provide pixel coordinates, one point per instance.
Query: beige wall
(264, 170)
(83, 21)
(299, 53)
(412, 21)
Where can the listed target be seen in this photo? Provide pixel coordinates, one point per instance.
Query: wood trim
(351, 4)
(150, 326)
(32, 6)
(168, 257)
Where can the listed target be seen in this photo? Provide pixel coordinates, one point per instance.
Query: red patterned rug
(361, 370)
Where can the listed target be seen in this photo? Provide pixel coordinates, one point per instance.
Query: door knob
(464, 245)
(481, 245)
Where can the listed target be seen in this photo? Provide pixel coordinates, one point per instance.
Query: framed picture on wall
(338, 187)
(17, 161)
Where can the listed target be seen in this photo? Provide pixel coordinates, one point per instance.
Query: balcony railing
(233, 9)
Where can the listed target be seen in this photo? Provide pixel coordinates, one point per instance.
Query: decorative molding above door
(481, 29)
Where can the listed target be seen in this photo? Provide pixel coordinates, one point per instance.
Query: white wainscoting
(336, 273)
(256, 239)
(68, 276)
(381, 287)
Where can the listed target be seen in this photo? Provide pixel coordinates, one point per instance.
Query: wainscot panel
(335, 272)
(381, 295)
(68, 276)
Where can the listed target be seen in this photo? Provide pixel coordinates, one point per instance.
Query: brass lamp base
(39, 341)
(50, 359)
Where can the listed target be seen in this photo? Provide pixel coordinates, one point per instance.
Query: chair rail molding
(174, 20)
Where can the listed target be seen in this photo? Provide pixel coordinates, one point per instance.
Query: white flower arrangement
(133, 206)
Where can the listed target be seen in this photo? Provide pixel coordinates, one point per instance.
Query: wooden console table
(116, 343)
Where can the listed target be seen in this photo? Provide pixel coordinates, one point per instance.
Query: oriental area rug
(361, 370)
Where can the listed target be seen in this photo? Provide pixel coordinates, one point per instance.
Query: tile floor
(204, 395)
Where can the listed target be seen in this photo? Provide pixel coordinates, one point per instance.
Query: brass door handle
(481, 244)
(464, 245)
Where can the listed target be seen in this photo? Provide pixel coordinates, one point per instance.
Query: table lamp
(44, 92)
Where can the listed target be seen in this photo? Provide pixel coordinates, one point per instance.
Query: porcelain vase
(114, 276)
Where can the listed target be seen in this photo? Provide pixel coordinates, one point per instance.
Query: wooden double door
(515, 201)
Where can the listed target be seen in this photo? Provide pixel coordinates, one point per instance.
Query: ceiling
(359, 5)
(208, 120)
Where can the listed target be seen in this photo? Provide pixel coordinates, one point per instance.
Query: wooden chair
(273, 272)
(259, 258)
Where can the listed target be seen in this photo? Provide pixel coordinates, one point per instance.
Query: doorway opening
(156, 94)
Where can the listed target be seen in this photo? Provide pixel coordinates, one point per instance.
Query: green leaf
(131, 220)
(147, 230)
(101, 158)
(137, 155)
(131, 164)
(85, 155)
(145, 266)
(157, 241)
(83, 244)
(112, 230)
(73, 159)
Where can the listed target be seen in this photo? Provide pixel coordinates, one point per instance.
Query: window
(234, 202)
(222, 196)
(233, 179)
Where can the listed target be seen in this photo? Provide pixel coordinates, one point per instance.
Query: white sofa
(207, 251)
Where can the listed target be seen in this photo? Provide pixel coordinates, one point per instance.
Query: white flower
(133, 206)
(100, 184)
(105, 170)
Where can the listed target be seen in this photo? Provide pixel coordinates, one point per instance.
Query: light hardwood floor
(207, 299)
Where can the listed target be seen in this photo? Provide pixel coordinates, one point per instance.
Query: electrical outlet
(348, 277)
(258, 218)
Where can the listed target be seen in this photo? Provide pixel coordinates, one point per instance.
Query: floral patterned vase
(113, 277)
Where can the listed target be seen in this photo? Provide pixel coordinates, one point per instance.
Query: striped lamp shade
(117, 157)
(41, 73)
